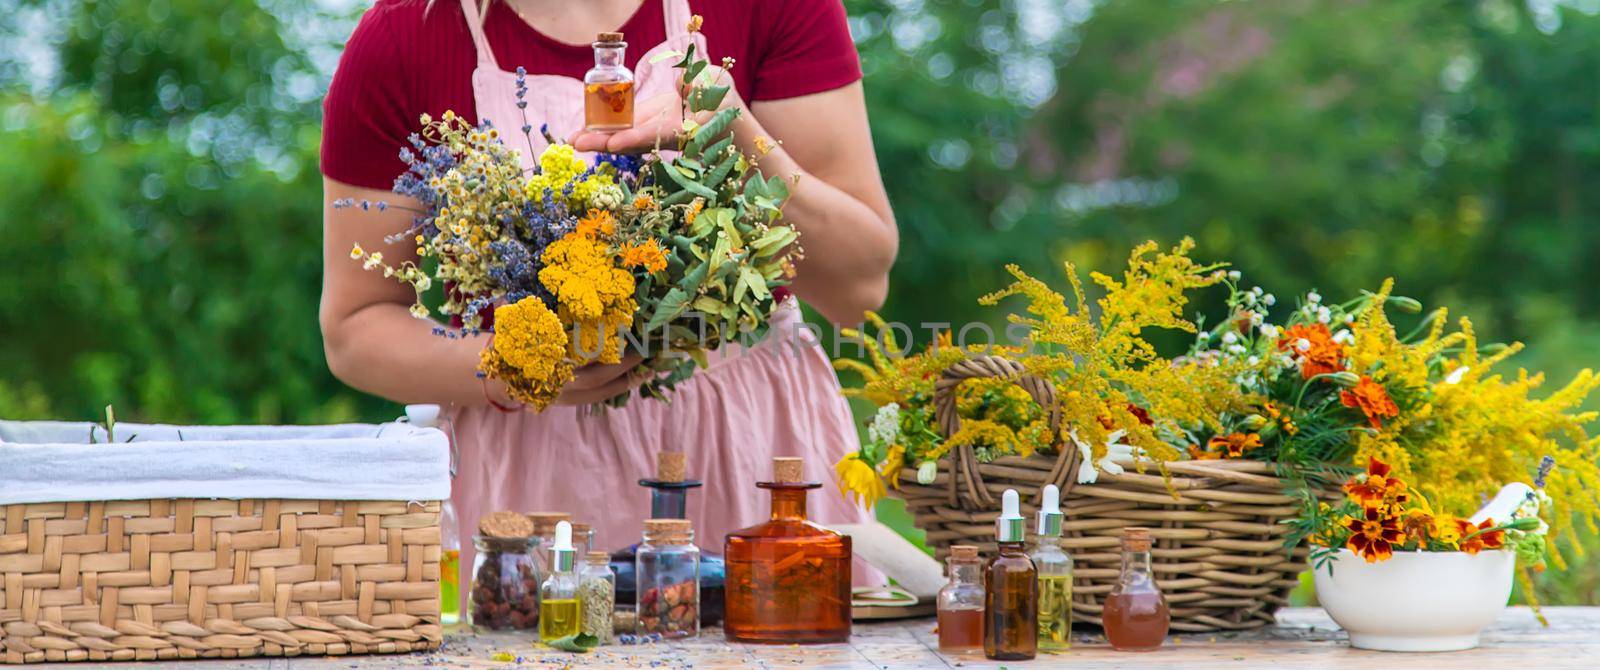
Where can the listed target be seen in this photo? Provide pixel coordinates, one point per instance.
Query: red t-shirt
(406, 59)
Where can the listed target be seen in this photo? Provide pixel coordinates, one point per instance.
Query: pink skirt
(778, 398)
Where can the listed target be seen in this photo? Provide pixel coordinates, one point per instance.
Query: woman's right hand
(597, 383)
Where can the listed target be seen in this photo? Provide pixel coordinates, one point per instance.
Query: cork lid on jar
(671, 466)
(1136, 539)
(668, 531)
(597, 558)
(609, 37)
(964, 552)
(786, 470)
(503, 525)
(544, 523)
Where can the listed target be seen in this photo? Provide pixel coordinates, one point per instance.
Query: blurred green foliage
(160, 203)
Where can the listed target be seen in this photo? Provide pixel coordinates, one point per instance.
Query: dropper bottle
(559, 614)
(1011, 604)
(1055, 575)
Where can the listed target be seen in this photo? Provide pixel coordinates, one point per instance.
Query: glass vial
(597, 595)
(669, 491)
(960, 603)
(1055, 575)
(608, 87)
(1136, 616)
(505, 583)
(1011, 601)
(668, 571)
(788, 578)
(558, 596)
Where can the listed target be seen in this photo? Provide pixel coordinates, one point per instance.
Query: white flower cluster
(885, 426)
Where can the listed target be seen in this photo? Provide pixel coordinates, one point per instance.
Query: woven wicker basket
(166, 579)
(1218, 555)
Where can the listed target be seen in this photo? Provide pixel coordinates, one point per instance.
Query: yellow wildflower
(592, 294)
(599, 223)
(694, 211)
(356, 252)
(528, 352)
(890, 470)
(858, 480)
(647, 255)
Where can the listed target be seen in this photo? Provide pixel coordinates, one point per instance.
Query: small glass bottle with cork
(597, 593)
(960, 604)
(1011, 584)
(505, 574)
(1136, 616)
(669, 493)
(608, 87)
(559, 611)
(1055, 575)
(668, 572)
(788, 578)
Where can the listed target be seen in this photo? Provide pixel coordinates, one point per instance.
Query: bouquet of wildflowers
(577, 262)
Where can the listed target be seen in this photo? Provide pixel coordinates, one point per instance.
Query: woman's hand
(597, 383)
(656, 121)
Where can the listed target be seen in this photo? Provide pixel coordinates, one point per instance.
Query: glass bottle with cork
(608, 87)
(669, 492)
(559, 612)
(1055, 575)
(597, 596)
(960, 604)
(668, 571)
(1136, 616)
(788, 578)
(1011, 583)
(505, 574)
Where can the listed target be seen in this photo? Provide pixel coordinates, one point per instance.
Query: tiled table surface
(1304, 638)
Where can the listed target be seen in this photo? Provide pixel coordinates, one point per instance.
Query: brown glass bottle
(788, 579)
(1136, 616)
(1011, 601)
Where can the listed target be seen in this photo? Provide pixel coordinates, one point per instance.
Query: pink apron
(779, 398)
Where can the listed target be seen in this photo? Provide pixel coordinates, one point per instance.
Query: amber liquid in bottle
(608, 87)
(788, 579)
(1136, 616)
(960, 631)
(1011, 605)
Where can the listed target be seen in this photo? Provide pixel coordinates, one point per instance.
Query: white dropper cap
(562, 556)
(1009, 528)
(1050, 512)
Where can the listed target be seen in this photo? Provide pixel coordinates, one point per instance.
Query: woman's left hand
(656, 122)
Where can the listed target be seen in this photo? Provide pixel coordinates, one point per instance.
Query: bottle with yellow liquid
(1055, 575)
(559, 613)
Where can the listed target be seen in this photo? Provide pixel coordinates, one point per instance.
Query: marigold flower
(1373, 487)
(694, 211)
(1234, 445)
(1314, 348)
(1374, 535)
(643, 202)
(1476, 538)
(598, 223)
(1372, 399)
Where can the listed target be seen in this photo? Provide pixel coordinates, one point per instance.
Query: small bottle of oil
(1055, 575)
(1011, 604)
(1136, 616)
(960, 605)
(608, 87)
(559, 614)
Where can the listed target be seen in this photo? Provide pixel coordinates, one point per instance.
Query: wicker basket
(1218, 555)
(99, 562)
(165, 579)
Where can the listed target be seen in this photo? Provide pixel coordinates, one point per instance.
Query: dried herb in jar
(597, 596)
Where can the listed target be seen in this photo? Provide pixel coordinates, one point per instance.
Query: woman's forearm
(383, 350)
(849, 246)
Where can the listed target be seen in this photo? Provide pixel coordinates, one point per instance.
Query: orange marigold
(1476, 538)
(1319, 355)
(1374, 487)
(648, 255)
(1374, 535)
(599, 223)
(1372, 399)
(1234, 445)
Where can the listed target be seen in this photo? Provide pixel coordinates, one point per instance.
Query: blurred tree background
(160, 202)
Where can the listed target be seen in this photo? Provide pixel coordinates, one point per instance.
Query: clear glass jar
(668, 571)
(505, 583)
(608, 86)
(960, 604)
(597, 595)
(1136, 616)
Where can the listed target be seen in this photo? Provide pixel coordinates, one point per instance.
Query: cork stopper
(597, 558)
(609, 37)
(965, 552)
(671, 466)
(786, 470)
(544, 523)
(1136, 539)
(669, 531)
(581, 528)
(505, 525)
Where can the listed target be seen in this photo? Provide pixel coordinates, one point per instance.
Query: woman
(796, 73)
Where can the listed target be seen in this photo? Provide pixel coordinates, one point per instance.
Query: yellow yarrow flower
(528, 353)
(592, 294)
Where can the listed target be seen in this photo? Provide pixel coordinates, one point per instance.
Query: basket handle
(963, 462)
